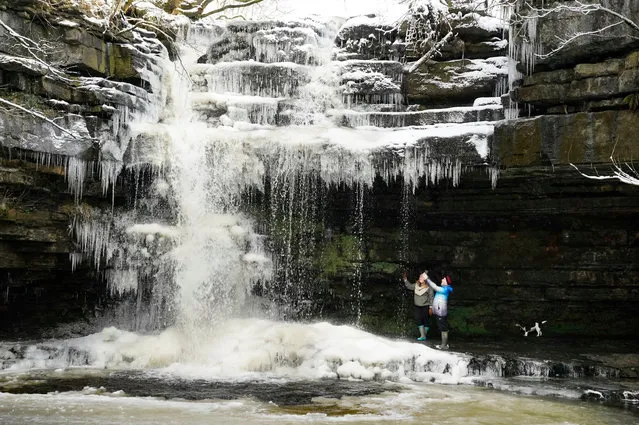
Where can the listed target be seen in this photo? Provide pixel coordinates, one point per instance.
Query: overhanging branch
(40, 116)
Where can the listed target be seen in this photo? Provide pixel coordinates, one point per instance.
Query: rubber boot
(422, 334)
(426, 328)
(444, 344)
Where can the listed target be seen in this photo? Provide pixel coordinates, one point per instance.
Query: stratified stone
(583, 87)
(564, 139)
(457, 82)
(603, 35)
(75, 47)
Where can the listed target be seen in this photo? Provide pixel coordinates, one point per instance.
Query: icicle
(76, 171)
(120, 282)
(512, 111)
(109, 171)
(359, 235)
(493, 172)
(76, 259)
(93, 236)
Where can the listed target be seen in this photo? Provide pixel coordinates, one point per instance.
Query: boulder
(457, 82)
(460, 49)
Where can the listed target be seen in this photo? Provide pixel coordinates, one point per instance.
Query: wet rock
(425, 117)
(457, 82)
(264, 41)
(369, 37)
(585, 86)
(31, 133)
(74, 48)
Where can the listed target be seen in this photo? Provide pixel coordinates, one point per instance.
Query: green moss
(385, 267)
(386, 326)
(82, 210)
(121, 64)
(567, 329)
(338, 255)
(29, 101)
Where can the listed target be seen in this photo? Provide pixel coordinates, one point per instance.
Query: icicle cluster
(93, 237)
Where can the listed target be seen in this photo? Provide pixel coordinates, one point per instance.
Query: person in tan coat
(423, 299)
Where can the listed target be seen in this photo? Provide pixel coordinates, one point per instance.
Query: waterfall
(234, 163)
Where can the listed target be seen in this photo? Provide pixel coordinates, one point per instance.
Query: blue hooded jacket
(440, 302)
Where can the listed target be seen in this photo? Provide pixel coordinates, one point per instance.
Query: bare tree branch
(243, 3)
(433, 50)
(618, 172)
(198, 10)
(566, 41)
(40, 116)
(582, 8)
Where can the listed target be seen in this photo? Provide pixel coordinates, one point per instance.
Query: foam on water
(251, 349)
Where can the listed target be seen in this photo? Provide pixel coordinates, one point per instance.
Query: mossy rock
(339, 255)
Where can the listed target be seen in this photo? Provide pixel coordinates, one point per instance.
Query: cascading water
(257, 133)
(263, 124)
(231, 186)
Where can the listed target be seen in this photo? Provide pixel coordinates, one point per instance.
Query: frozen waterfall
(262, 110)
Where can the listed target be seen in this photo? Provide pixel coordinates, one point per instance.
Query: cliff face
(545, 243)
(581, 234)
(70, 88)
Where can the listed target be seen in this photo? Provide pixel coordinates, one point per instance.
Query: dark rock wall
(574, 239)
(38, 289)
(86, 79)
(546, 244)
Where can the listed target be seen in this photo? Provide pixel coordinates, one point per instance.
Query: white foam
(153, 229)
(257, 349)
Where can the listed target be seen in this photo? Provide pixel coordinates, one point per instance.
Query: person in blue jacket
(440, 306)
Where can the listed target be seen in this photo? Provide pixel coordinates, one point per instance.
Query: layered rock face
(71, 88)
(547, 243)
(524, 236)
(581, 119)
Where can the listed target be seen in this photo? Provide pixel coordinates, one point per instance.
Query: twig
(430, 53)
(565, 42)
(39, 115)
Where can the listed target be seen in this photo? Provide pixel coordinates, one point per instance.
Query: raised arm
(407, 284)
(432, 285)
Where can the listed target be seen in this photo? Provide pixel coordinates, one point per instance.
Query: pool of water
(115, 397)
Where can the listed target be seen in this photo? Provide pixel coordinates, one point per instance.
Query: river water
(256, 371)
(405, 404)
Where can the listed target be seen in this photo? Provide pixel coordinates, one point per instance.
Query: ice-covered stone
(250, 78)
(488, 112)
